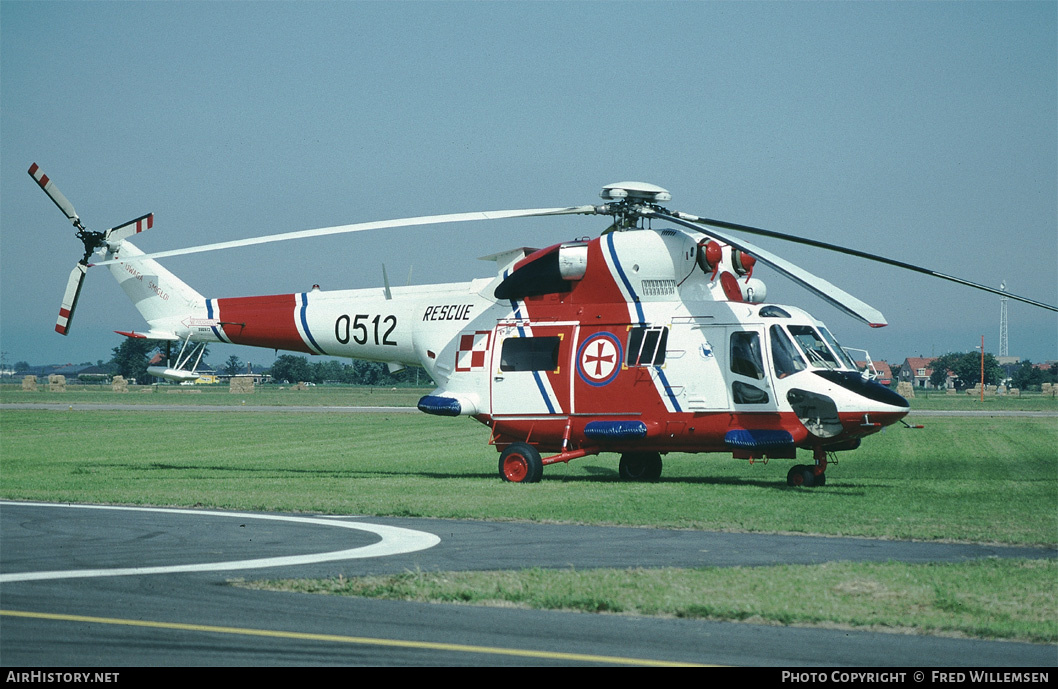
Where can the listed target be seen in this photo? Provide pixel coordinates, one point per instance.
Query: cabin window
(529, 354)
(646, 346)
(746, 358)
(813, 346)
(784, 354)
(748, 394)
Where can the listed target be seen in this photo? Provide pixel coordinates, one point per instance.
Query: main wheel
(640, 466)
(520, 463)
(796, 475)
(805, 476)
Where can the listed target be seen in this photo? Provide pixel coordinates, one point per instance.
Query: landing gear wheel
(640, 466)
(520, 463)
(805, 476)
(800, 475)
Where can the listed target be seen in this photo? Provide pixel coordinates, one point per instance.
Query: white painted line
(395, 541)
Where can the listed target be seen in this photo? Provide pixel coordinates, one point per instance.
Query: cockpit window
(746, 358)
(773, 312)
(784, 354)
(819, 356)
(842, 354)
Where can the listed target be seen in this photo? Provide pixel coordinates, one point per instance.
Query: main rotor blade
(53, 193)
(861, 254)
(362, 227)
(836, 296)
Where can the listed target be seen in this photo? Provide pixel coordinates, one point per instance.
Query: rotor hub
(631, 201)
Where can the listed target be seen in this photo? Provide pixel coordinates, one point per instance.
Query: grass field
(983, 479)
(344, 395)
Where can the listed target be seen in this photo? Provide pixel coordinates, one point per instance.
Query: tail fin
(161, 298)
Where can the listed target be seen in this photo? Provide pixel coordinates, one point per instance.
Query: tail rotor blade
(54, 194)
(116, 234)
(69, 299)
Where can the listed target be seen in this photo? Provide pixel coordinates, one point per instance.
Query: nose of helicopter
(844, 403)
(865, 387)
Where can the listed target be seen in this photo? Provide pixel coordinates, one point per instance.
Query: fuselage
(630, 340)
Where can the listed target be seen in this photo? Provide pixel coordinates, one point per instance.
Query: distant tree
(938, 377)
(1028, 376)
(967, 367)
(234, 365)
(293, 369)
(131, 357)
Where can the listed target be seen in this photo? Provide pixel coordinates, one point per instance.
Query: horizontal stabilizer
(151, 335)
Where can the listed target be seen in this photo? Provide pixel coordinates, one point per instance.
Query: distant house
(917, 371)
(71, 371)
(885, 373)
(94, 374)
(879, 369)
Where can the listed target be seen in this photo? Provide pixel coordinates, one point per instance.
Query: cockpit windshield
(784, 354)
(814, 347)
(842, 354)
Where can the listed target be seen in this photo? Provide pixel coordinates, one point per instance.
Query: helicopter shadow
(591, 475)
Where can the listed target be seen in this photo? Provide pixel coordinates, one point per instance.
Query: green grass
(965, 479)
(351, 395)
(988, 599)
(988, 480)
(219, 395)
(1029, 401)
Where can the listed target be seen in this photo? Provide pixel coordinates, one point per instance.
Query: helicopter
(642, 341)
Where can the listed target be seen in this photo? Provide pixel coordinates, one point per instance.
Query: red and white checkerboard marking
(473, 350)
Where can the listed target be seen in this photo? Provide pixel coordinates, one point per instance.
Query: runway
(97, 586)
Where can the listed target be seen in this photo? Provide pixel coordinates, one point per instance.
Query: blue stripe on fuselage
(624, 278)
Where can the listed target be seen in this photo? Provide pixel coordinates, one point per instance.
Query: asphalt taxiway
(94, 586)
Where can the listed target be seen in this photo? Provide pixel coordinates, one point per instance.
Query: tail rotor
(92, 241)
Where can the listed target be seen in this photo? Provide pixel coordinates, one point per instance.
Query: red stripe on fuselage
(262, 322)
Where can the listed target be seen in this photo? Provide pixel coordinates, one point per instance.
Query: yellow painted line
(367, 641)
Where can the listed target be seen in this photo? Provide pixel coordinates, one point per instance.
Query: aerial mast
(1003, 321)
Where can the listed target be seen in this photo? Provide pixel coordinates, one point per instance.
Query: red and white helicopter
(641, 341)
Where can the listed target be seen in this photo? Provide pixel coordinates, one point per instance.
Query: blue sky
(926, 132)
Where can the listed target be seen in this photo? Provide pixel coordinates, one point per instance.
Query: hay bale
(29, 383)
(241, 386)
(56, 383)
(119, 384)
(905, 389)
